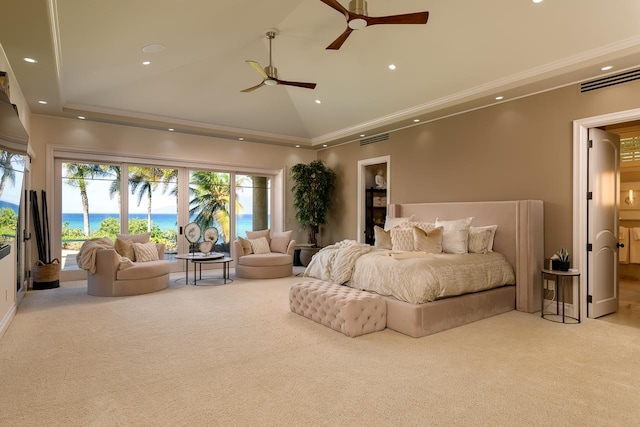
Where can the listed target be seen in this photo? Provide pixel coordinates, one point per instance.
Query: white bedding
(414, 280)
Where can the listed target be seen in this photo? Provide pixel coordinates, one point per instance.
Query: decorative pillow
(382, 238)
(135, 238)
(145, 252)
(402, 239)
(479, 241)
(429, 242)
(260, 245)
(390, 223)
(426, 226)
(455, 238)
(246, 246)
(280, 241)
(492, 228)
(124, 248)
(259, 234)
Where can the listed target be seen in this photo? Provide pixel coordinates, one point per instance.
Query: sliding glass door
(103, 198)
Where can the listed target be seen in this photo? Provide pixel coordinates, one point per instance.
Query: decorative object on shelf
(560, 261)
(313, 185)
(381, 182)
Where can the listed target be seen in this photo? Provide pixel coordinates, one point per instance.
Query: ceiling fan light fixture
(270, 82)
(357, 24)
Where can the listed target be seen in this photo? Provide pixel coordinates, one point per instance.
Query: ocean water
(244, 223)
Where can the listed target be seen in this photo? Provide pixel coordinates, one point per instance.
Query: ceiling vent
(377, 138)
(616, 79)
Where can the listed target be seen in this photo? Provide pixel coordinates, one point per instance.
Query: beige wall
(520, 149)
(162, 145)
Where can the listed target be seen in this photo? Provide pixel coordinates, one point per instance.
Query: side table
(559, 278)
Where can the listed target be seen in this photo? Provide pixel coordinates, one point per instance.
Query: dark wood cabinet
(375, 212)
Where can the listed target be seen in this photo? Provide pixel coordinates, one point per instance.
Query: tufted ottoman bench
(350, 311)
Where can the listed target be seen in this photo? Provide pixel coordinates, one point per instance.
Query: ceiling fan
(357, 18)
(270, 73)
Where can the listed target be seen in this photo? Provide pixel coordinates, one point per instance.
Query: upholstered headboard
(520, 236)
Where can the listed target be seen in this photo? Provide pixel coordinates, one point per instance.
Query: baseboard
(6, 320)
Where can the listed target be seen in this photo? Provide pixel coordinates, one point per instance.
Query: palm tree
(144, 180)
(114, 188)
(77, 174)
(8, 170)
(210, 201)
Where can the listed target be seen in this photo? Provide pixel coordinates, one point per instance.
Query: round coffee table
(204, 258)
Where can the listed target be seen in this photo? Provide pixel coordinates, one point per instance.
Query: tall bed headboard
(520, 236)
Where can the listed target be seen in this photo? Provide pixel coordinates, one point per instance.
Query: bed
(518, 243)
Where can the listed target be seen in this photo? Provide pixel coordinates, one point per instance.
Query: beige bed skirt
(418, 320)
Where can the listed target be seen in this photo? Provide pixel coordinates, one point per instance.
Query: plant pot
(46, 276)
(560, 265)
(306, 254)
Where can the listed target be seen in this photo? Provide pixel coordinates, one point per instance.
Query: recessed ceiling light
(153, 48)
(171, 129)
(362, 135)
(318, 101)
(241, 139)
(416, 120)
(607, 68)
(297, 146)
(499, 98)
(325, 145)
(392, 66)
(537, 1)
(146, 63)
(30, 60)
(42, 102)
(81, 117)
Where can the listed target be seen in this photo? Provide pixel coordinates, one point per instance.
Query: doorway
(367, 171)
(580, 189)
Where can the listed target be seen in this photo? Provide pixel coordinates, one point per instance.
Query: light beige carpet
(235, 355)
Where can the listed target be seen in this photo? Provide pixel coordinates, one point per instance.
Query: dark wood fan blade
(297, 84)
(340, 40)
(251, 89)
(408, 18)
(337, 6)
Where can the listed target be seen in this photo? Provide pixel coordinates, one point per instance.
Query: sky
(99, 201)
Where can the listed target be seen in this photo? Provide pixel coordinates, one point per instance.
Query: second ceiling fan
(270, 73)
(357, 18)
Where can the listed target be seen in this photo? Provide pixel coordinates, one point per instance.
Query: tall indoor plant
(313, 185)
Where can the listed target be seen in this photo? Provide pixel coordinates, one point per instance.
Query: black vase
(560, 265)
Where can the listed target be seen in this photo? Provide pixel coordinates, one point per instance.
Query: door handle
(620, 245)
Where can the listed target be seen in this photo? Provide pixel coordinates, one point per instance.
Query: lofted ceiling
(90, 61)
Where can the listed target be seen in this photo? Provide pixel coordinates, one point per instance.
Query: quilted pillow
(260, 245)
(429, 242)
(402, 239)
(135, 238)
(455, 238)
(258, 234)
(390, 222)
(382, 238)
(246, 246)
(280, 241)
(145, 252)
(124, 248)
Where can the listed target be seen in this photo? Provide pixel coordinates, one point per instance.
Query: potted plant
(313, 185)
(561, 263)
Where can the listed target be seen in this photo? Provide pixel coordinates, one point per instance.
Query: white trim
(362, 164)
(580, 187)
(6, 320)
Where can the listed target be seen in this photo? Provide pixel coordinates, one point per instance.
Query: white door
(604, 187)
